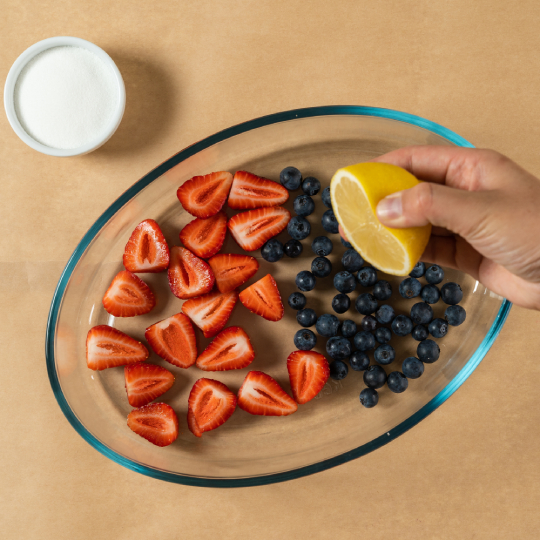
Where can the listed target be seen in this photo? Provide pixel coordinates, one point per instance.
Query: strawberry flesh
(147, 249)
(308, 373)
(263, 298)
(230, 349)
(128, 296)
(204, 237)
(251, 191)
(145, 382)
(189, 276)
(232, 270)
(155, 422)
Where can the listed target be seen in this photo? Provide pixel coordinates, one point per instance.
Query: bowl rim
(441, 397)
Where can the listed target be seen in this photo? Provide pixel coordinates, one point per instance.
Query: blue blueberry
(305, 340)
(338, 370)
(325, 196)
(397, 382)
(327, 325)
(348, 328)
(369, 397)
(374, 377)
(420, 332)
(385, 314)
(428, 351)
(338, 348)
(306, 317)
(341, 303)
(359, 361)
(421, 313)
(367, 276)
(291, 178)
(297, 300)
(430, 294)
(292, 248)
(438, 328)
(303, 205)
(410, 287)
(272, 251)
(369, 323)
(434, 274)
(344, 282)
(329, 222)
(345, 243)
(455, 315)
(322, 246)
(412, 367)
(382, 290)
(364, 341)
(384, 354)
(299, 228)
(383, 335)
(305, 281)
(402, 325)
(451, 293)
(366, 304)
(321, 267)
(352, 261)
(419, 270)
(311, 186)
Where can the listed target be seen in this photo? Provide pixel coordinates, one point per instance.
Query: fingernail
(390, 208)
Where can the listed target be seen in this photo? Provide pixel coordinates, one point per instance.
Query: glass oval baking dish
(250, 450)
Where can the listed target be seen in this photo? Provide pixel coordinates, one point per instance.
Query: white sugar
(65, 97)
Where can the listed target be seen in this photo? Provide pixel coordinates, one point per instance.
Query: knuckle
(424, 198)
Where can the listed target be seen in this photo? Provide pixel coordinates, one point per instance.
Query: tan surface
(471, 469)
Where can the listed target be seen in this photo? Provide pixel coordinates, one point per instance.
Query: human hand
(485, 212)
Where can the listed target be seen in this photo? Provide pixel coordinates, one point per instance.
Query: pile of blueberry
(380, 322)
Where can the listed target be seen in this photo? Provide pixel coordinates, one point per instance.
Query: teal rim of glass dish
(441, 397)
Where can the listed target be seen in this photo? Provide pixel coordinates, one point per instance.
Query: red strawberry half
(260, 394)
(128, 296)
(230, 349)
(308, 373)
(147, 249)
(174, 340)
(250, 191)
(204, 196)
(263, 298)
(145, 382)
(211, 311)
(108, 347)
(204, 237)
(189, 276)
(231, 270)
(253, 228)
(156, 422)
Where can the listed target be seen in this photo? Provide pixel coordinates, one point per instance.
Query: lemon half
(355, 192)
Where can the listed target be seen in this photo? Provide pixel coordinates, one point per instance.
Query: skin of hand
(485, 212)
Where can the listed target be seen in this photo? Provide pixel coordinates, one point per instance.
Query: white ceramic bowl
(13, 75)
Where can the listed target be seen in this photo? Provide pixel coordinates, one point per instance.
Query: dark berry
(364, 341)
(428, 351)
(291, 178)
(410, 287)
(359, 361)
(369, 397)
(438, 328)
(305, 340)
(412, 367)
(385, 314)
(327, 325)
(451, 293)
(303, 205)
(397, 382)
(420, 332)
(418, 270)
(344, 282)
(383, 335)
(272, 251)
(329, 222)
(341, 303)
(421, 313)
(455, 315)
(434, 274)
(311, 186)
(366, 304)
(299, 228)
(345, 243)
(382, 290)
(374, 377)
(402, 325)
(305, 281)
(338, 348)
(367, 276)
(297, 300)
(338, 370)
(321, 267)
(292, 248)
(322, 246)
(325, 196)
(348, 328)
(384, 354)
(306, 317)
(352, 261)
(430, 294)
(369, 323)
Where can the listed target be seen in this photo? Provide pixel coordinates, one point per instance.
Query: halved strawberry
(260, 394)
(174, 340)
(155, 422)
(145, 382)
(263, 298)
(308, 373)
(253, 228)
(210, 404)
(211, 311)
(204, 237)
(189, 276)
(230, 349)
(231, 270)
(128, 296)
(251, 191)
(147, 249)
(204, 196)
(108, 347)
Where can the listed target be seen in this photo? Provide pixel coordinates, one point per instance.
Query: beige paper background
(472, 468)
